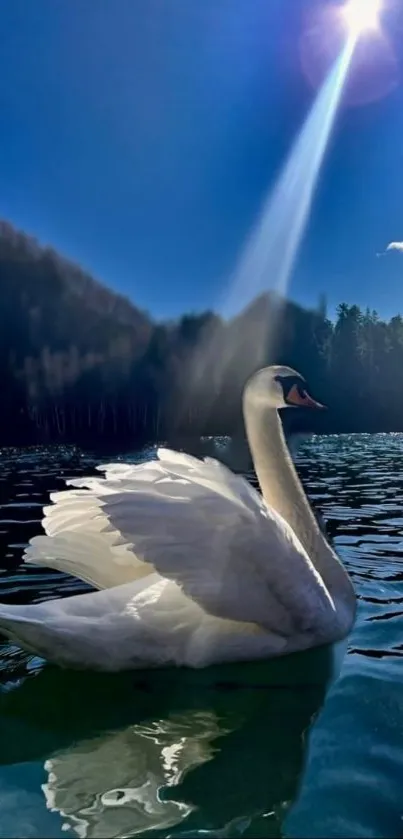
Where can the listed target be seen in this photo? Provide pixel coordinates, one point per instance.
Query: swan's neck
(282, 490)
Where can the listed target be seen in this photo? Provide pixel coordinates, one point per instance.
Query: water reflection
(112, 785)
(128, 754)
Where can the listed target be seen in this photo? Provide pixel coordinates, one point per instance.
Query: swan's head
(280, 387)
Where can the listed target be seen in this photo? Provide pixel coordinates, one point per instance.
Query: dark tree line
(80, 363)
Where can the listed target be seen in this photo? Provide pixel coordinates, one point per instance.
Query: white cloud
(392, 246)
(395, 246)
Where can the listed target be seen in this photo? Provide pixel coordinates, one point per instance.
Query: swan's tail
(80, 631)
(41, 637)
(28, 632)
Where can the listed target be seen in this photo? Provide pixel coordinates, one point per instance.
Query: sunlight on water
(270, 253)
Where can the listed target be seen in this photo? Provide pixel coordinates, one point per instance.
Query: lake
(236, 751)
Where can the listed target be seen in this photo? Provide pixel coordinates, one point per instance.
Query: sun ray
(269, 256)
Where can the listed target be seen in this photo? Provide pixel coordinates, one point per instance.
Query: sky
(140, 138)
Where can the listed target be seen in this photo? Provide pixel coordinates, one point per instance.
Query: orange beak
(305, 401)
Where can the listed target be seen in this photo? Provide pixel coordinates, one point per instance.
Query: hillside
(80, 363)
(59, 328)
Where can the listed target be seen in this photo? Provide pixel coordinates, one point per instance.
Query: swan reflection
(115, 783)
(161, 753)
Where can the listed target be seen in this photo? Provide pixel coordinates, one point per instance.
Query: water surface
(234, 751)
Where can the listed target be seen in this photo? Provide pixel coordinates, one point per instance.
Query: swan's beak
(302, 400)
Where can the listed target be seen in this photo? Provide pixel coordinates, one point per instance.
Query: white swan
(193, 565)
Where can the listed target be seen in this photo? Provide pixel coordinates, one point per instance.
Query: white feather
(196, 524)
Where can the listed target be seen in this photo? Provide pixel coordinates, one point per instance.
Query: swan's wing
(80, 540)
(195, 523)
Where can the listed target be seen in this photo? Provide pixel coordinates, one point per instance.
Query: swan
(191, 564)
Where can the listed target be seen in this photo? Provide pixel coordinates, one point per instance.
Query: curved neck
(282, 490)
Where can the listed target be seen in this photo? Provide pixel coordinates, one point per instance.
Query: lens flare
(362, 15)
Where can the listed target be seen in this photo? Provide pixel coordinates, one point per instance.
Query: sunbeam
(269, 256)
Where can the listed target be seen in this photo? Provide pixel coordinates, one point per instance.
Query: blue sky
(140, 137)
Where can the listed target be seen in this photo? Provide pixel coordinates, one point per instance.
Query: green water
(251, 750)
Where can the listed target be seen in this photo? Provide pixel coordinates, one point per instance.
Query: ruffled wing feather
(195, 523)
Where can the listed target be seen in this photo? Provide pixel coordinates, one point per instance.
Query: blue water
(311, 745)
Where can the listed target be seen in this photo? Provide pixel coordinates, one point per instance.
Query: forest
(81, 364)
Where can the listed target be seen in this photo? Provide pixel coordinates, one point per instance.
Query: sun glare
(362, 15)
